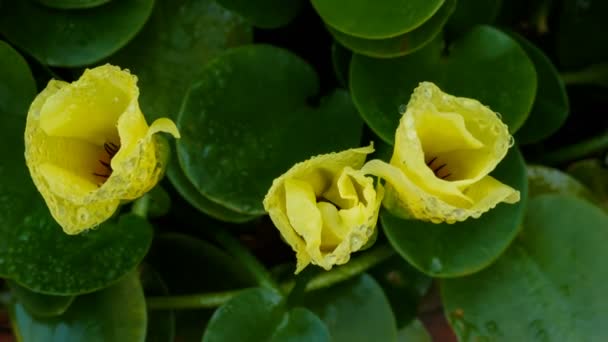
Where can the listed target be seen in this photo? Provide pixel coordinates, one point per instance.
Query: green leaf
(414, 332)
(340, 58)
(403, 285)
(594, 175)
(546, 180)
(34, 251)
(382, 87)
(400, 45)
(184, 187)
(454, 250)
(551, 106)
(579, 42)
(117, 313)
(247, 121)
(72, 4)
(470, 13)
(40, 305)
(354, 311)
(72, 38)
(376, 20)
(549, 285)
(188, 265)
(266, 14)
(174, 46)
(261, 315)
(161, 323)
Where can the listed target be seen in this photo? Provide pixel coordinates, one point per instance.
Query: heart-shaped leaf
(174, 46)
(246, 121)
(551, 106)
(72, 38)
(485, 64)
(376, 20)
(117, 313)
(454, 250)
(265, 13)
(548, 286)
(258, 315)
(400, 45)
(354, 311)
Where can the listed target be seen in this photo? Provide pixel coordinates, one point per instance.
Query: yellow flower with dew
(445, 147)
(325, 208)
(88, 146)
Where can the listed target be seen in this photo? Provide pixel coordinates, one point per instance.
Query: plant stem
(577, 151)
(595, 74)
(251, 263)
(323, 280)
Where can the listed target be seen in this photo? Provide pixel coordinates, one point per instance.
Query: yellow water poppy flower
(445, 147)
(325, 208)
(88, 146)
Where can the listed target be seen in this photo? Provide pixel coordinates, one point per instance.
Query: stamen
(439, 168)
(431, 162)
(111, 148)
(106, 165)
(100, 175)
(446, 176)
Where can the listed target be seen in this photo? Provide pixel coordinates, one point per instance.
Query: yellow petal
(325, 208)
(67, 132)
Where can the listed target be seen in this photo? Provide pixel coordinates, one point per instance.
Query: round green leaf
(403, 285)
(453, 250)
(414, 332)
(247, 121)
(265, 13)
(470, 13)
(551, 106)
(594, 175)
(549, 285)
(580, 41)
(185, 188)
(72, 4)
(354, 311)
(400, 45)
(376, 20)
(261, 315)
(38, 304)
(172, 48)
(546, 180)
(161, 323)
(117, 313)
(34, 251)
(485, 64)
(72, 38)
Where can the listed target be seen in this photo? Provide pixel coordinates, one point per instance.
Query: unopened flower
(445, 147)
(88, 146)
(325, 208)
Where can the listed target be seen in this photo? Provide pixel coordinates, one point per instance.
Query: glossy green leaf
(117, 313)
(549, 285)
(485, 64)
(594, 175)
(403, 285)
(354, 311)
(161, 323)
(470, 13)
(34, 251)
(580, 41)
(400, 45)
(72, 38)
(40, 305)
(189, 265)
(376, 20)
(172, 49)
(72, 4)
(184, 187)
(414, 332)
(265, 13)
(246, 121)
(261, 315)
(546, 180)
(340, 58)
(454, 250)
(551, 106)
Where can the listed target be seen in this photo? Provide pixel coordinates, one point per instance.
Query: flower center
(439, 168)
(104, 169)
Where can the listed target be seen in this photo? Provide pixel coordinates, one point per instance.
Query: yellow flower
(325, 208)
(88, 146)
(445, 147)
